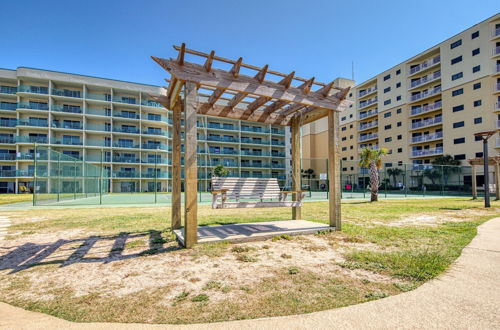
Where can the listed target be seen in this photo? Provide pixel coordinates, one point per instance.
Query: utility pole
(485, 136)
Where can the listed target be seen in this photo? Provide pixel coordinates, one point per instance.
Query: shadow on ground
(105, 249)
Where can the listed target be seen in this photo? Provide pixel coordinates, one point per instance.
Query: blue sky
(115, 38)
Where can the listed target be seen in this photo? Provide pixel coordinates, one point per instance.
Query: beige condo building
(427, 106)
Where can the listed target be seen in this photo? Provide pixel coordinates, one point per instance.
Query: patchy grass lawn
(122, 264)
(15, 198)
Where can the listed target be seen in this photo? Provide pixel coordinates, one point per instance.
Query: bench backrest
(247, 187)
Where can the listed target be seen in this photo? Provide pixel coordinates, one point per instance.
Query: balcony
(276, 165)
(424, 65)
(223, 152)
(427, 137)
(367, 91)
(33, 89)
(221, 126)
(98, 127)
(255, 165)
(158, 175)
(8, 106)
(98, 112)
(66, 125)
(425, 94)
(277, 131)
(126, 160)
(497, 87)
(498, 124)
(425, 79)
(495, 33)
(99, 97)
(366, 103)
(6, 156)
(426, 122)
(373, 147)
(8, 90)
(224, 162)
(8, 122)
(125, 144)
(427, 152)
(97, 142)
(131, 130)
(497, 106)
(278, 154)
(367, 137)
(247, 140)
(33, 122)
(426, 108)
(156, 132)
(254, 129)
(155, 146)
(255, 153)
(32, 139)
(33, 106)
(125, 99)
(126, 174)
(368, 114)
(66, 93)
(157, 161)
(66, 108)
(151, 103)
(497, 69)
(66, 141)
(496, 51)
(129, 115)
(221, 138)
(8, 173)
(497, 145)
(7, 139)
(368, 125)
(277, 143)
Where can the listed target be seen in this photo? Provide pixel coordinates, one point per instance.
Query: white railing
(427, 122)
(498, 143)
(368, 125)
(496, 32)
(367, 102)
(422, 95)
(367, 91)
(368, 137)
(427, 152)
(426, 108)
(496, 50)
(426, 64)
(497, 106)
(368, 113)
(498, 124)
(425, 79)
(497, 87)
(427, 137)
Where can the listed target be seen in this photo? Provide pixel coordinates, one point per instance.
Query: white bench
(265, 192)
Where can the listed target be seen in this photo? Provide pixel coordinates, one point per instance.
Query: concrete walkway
(466, 297)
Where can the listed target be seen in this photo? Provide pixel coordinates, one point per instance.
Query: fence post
(385, 181)
(442, 180)
(100, 179)
(405, 183)
(74, 179)
(34, 175)
(156, 175)
(58, 176)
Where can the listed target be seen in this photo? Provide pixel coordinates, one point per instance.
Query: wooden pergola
(257, 95)
(492, 161)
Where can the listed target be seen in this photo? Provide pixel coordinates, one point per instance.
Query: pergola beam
(209, 61)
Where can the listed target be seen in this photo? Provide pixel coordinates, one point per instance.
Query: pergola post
(296, 176)
(176, 166)
(190, 165)
(497, 181)
(474, 182)
(334, 170)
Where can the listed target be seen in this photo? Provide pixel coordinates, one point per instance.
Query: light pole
(485, 136)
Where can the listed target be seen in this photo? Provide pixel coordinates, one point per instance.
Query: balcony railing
(8, 122)
(277, 143)
(425, 79)
(225, 152)
(497, 106)
(66, 92)
(368, 113)
(427, 152)
(427, 137)
(98, 142)
(367, 102)
(254, 153)
(497, 145)
(98, 127)
(99, 97)
(426, 108)
(426, 122)
(497, 87)
(498, 124)
(496, 32)
(156, 132)
(67, 125)
(71, 142)
(8, 90)
(277, 131)
(123, 144)
(32, 139)
(497, 68)
(66, 108)
(496, 51)
(33, 105)
(33, 89)
(151, 103)
(126, 115)
(254, 141)
(424, 94)
(125, 99)
(8, 106)
(98, 112)
(426, 64)
(367, 91)
(155, 146)
(368, 137)
(221, 138)
(33, 122)
(126, 160)
(254, 129)
(371, 124)
(256, 165)
(133, 130)
(221, 126)
(5, 156)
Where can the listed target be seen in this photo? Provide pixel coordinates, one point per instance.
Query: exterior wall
(89, 115)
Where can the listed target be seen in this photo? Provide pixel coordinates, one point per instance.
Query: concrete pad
(254, 231)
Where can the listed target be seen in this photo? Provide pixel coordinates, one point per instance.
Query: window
(398, 85)
(457, 76)
(344, 128)
(350, 94)
(350, 126)
(387, 126)
(387, 77)
(344, 148)
(398, 111)
(456, 44)
(459, 157)
(475, 69)
(388, 139)
(474, 35)
(388, 89)
(458, 124)
(400, 150)
(458, 108)
(456, 60)
(398, 98)
(476, 86)
(344, 138)
(459, 140)
(457, 92)
(478, 138)
(400, 137)
(477, 103)
(478, 120)
(387, 114)
(343, 118)
(388, 164)
(399, 124)
(398, 72)
(475, 51)
(386, 102)
(479, 154)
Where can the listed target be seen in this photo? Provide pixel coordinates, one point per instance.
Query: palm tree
(432, 175)
(448, 165)
(394, 173)
(372, 159)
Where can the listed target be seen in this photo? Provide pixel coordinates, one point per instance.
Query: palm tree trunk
(374, 182)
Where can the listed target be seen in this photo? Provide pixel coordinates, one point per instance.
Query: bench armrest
(216, 192)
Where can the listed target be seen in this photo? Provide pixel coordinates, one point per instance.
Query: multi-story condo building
(84, 117)
(427, 106)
